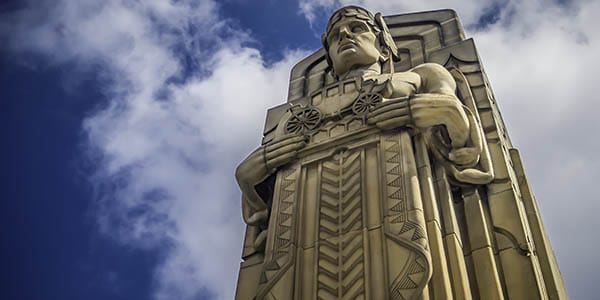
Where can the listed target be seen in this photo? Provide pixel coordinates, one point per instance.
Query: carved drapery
(332, 204)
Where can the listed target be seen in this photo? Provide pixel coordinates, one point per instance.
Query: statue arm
(464, 146)
(435, 79)
(424, 97)
(254, 207)
(436, 104)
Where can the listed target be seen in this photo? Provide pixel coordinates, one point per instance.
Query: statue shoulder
(435, 79)
(404, 84)
(424, 78)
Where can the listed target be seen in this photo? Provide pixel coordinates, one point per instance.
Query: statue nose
(344, 33)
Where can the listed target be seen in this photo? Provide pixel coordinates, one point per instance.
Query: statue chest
(334, 98)
(336, 111)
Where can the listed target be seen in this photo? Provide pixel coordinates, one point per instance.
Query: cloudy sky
(122, 122)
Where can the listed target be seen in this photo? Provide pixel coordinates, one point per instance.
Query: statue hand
(428, 110)
(259, 165)
(424, 111)
(264, 160)
(390, 114)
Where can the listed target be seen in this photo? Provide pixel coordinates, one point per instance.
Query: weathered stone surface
(389, 175)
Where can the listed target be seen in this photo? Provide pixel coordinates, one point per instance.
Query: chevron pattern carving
(340, 250)
(404, 286)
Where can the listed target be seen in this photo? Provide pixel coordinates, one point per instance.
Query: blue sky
(122, 123)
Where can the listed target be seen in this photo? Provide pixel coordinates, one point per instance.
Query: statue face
(352, 44)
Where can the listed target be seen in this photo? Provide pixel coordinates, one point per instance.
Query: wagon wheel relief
(303, 119)
(365, 102)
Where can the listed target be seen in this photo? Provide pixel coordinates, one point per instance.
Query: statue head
(355, 38)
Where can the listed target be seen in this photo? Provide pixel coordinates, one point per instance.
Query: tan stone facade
(389, 175)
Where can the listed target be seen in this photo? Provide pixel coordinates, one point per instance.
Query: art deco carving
(389, 175)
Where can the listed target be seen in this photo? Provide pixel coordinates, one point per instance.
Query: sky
(122, 123)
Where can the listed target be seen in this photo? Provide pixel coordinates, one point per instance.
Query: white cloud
(469, 10)
(542, 60)
(226, 112)
(166, 143)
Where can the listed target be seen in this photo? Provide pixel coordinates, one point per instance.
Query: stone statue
(388, 175)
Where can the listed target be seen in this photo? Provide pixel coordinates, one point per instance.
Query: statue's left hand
(390, 114)
(424, 111)
(428, 110)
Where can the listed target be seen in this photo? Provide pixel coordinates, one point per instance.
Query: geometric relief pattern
(284, 228)
(400, 223)
(406, 226)
(333, 128)
(340, 248)
(403, 288)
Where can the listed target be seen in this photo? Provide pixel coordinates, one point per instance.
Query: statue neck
(362, 71)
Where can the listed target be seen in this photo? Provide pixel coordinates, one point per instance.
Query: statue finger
(436, 96)
(284, 142)
(427, 115)
(260, 241)
(388, 106)
(394, 122)
(286, 137)
(424, 120)
(258, 217)
(291, 148)
(400, 112)
(435, 102)
(281, 160)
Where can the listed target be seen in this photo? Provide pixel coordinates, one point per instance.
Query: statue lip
(346, 46)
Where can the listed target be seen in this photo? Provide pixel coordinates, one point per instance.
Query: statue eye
(358, 28)
(333, 37)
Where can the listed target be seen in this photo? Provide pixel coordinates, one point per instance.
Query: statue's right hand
(266, 159)
(261, 163)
